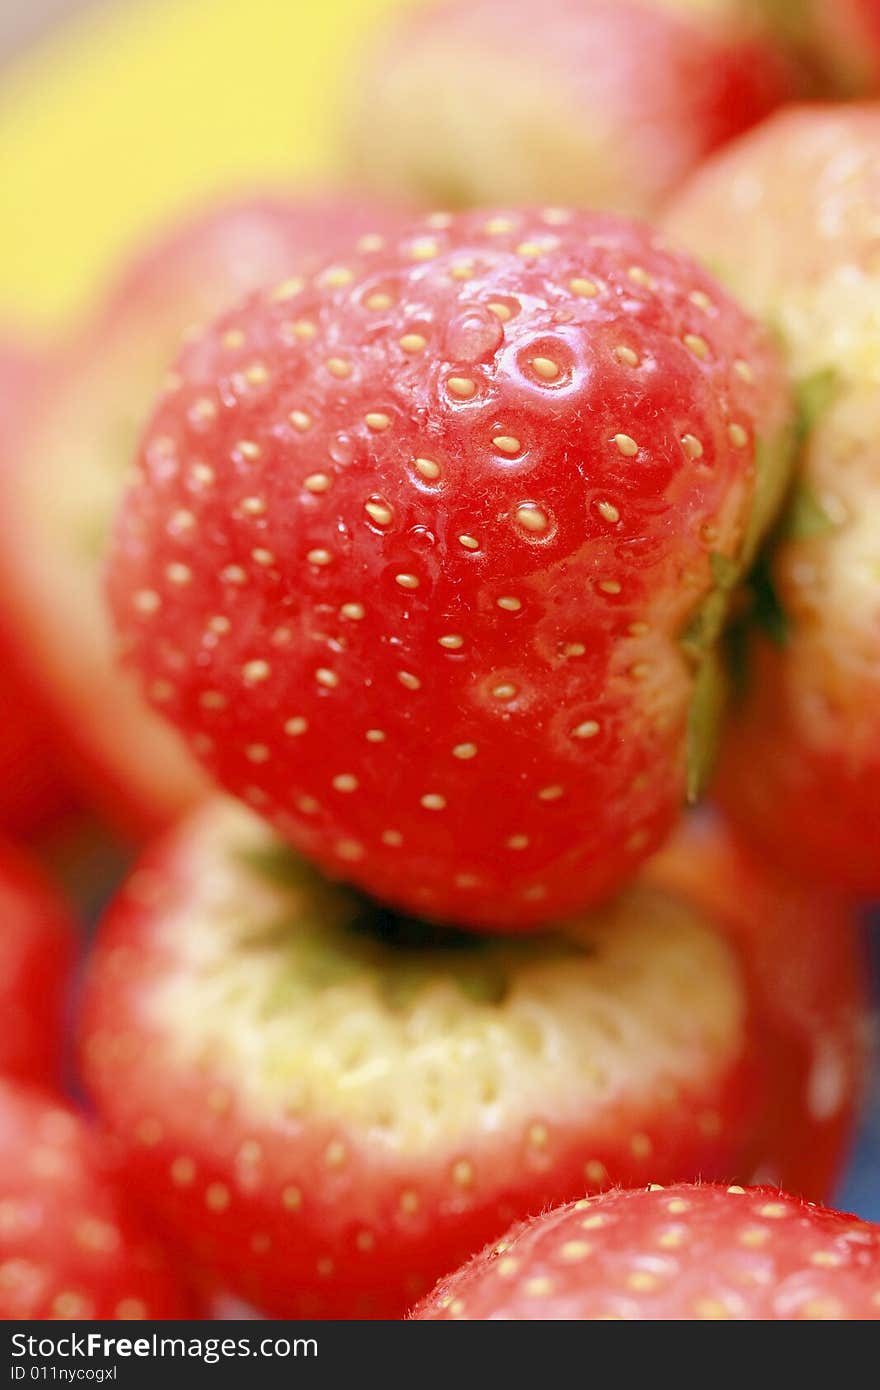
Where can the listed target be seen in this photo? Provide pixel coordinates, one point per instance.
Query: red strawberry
(37, 943)
(332, 1105)
(682, 1253)
(427, 550)
(804, 957)
(598, 103)
(32, 791)
(56, 502)
(802, 762)
(70, 1246)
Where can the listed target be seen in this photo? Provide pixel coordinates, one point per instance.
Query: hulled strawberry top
(425, 551)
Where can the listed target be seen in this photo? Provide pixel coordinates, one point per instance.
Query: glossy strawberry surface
(60, 490)
(426, 553)
(683, 1253)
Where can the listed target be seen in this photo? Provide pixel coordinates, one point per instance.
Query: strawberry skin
(426, 551)
(70, 1246)
(801, 763)
(69, 472)
(331, 1106)
(682, 1253)
(602, 103)
(804, 957)
(37, 947)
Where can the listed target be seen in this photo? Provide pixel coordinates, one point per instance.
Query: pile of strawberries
(413, 598)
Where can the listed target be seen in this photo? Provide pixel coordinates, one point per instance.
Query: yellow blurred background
(131, 111)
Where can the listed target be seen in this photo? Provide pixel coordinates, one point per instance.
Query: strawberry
(56, 502)
(598, 103)
(685, 1253)
(805, 961)
(70, 1246)
(426, 552)
(801, 767)
(332, 1105)
(37, 943)
(32, 791)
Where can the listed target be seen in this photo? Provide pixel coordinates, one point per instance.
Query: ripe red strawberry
(32, 790)
(427, 551)
(597, 103)
(332, 1105)
(802, 761)
(683, 1253)
(805, 960)
(69, 471)
(37, 944)
(70, 1246)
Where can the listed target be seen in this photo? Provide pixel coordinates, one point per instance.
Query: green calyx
(330, 936)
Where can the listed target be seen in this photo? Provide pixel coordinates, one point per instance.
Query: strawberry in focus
(69, 472)
(70, 1246)
(37, 950)
(427, 553)
(804, 957)
(597, 103)
(691, 1253)
(332, 1105)
(801, 762)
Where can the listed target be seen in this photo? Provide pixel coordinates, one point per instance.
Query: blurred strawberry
(801, 766)
(56, 502)
(596, 103)
(70, 1246)
(331, 1104)
(427, 553)
(32, 790)
(682, 1253)
(37, 947)
(805, 959)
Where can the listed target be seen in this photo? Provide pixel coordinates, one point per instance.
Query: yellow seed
(588, 729)
(380, 512)
(627, 445)
(377, 420)
(509, 603)
(697, 345)
(379, 300)
(338, 367)
(608, 512)
(584, 289)
(432, 801)
(300, 420)
(469, 542)
(737, 436)
(501, 311)
(319, 557)
(465, 751)
(692, 446)
(407, 581)
(462, 386)
(413, 342)
(451, 641)
(545, 368)
(318, 482)
(531, 518)
(427, 468)
(506, 443)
